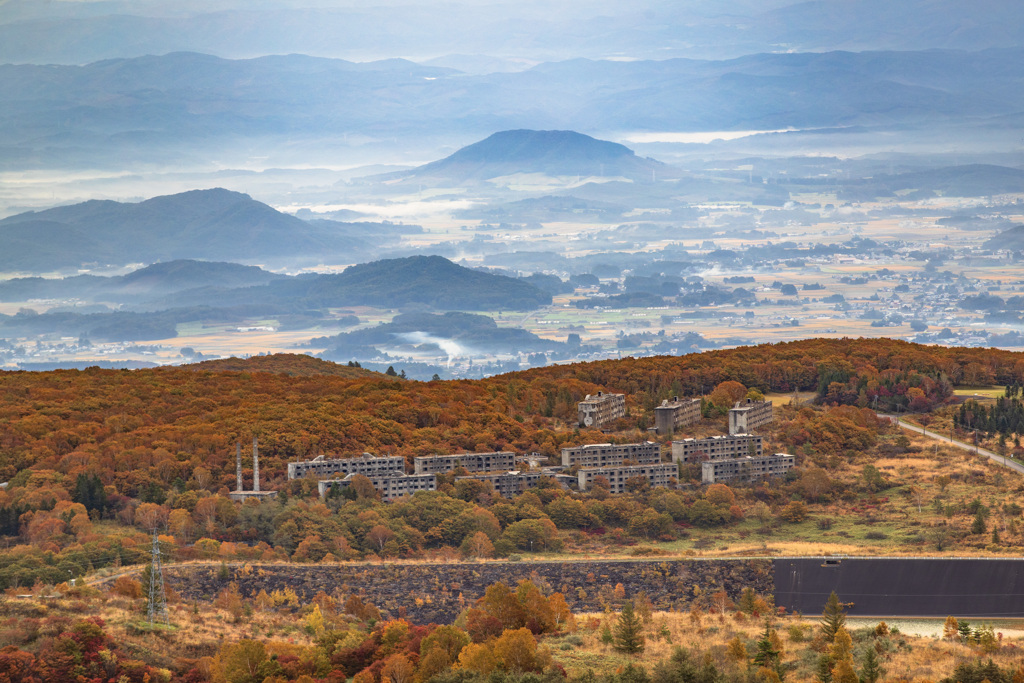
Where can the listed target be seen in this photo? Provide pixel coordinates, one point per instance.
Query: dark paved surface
(903, 587)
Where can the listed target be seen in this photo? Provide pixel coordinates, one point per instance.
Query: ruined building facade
(364, 464)
(661, 474)
(746, 469)
(674, 414)
(748, 415)
(389, 487)
(602, 454)
(716, 448)
(602, 409)
(499, 461)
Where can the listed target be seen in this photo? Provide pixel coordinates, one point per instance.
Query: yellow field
(785, 399)
(980, 393)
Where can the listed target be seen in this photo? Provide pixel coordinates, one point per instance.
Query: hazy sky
(80, 31)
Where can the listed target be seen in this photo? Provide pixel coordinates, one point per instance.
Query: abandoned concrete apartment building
(511, 484)
(601, 454)
(686, 451)
(674, 414)
(390, 487)
(387, 473)
(615, 464)
(602, 409)
(661, 474)
(366, 464)
(746, 469)
(748, 415)
(471, 462)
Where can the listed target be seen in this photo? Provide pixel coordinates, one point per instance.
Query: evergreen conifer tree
(978, 525)
(871, 670)
(768, 656)
(824, 672)
(833, 618)
(628, 631)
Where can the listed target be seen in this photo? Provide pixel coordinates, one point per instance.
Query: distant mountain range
(548, 152)
(79, 32)
(153, 281)
(184, 106)
(968, 180)
(202, 224)
(416, 283)
(431, 281)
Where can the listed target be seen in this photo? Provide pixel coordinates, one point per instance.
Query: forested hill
(214, 224)
(1012, 239)
(426, 280)
(792, 366)
(291, 364)
(165, 422)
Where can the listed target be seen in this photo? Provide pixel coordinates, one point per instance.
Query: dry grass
(905, 656)
(199, 630)
(785, 399)
(196, 630)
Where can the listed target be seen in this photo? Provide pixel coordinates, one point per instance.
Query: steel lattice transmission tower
(157, 608)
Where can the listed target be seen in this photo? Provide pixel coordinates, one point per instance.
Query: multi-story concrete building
(510, 484)
(602, 454)
(748, 415)
(501, 461)
(672, 415)
(594, 411)
(661, 474)
(716, 448)
(746, 469)
(364, 464)
(390, 488)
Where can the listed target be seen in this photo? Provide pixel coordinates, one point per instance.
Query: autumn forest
(97, 462)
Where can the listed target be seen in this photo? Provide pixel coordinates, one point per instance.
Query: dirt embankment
(438, 592)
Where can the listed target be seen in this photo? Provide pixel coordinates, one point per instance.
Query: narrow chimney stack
(238, 465)
(255, 466)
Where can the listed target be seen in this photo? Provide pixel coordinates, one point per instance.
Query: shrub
(127, 587)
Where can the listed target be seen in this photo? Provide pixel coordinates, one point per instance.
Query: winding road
(995, 457)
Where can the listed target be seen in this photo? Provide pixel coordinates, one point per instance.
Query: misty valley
(513, 261)
(509, 206)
